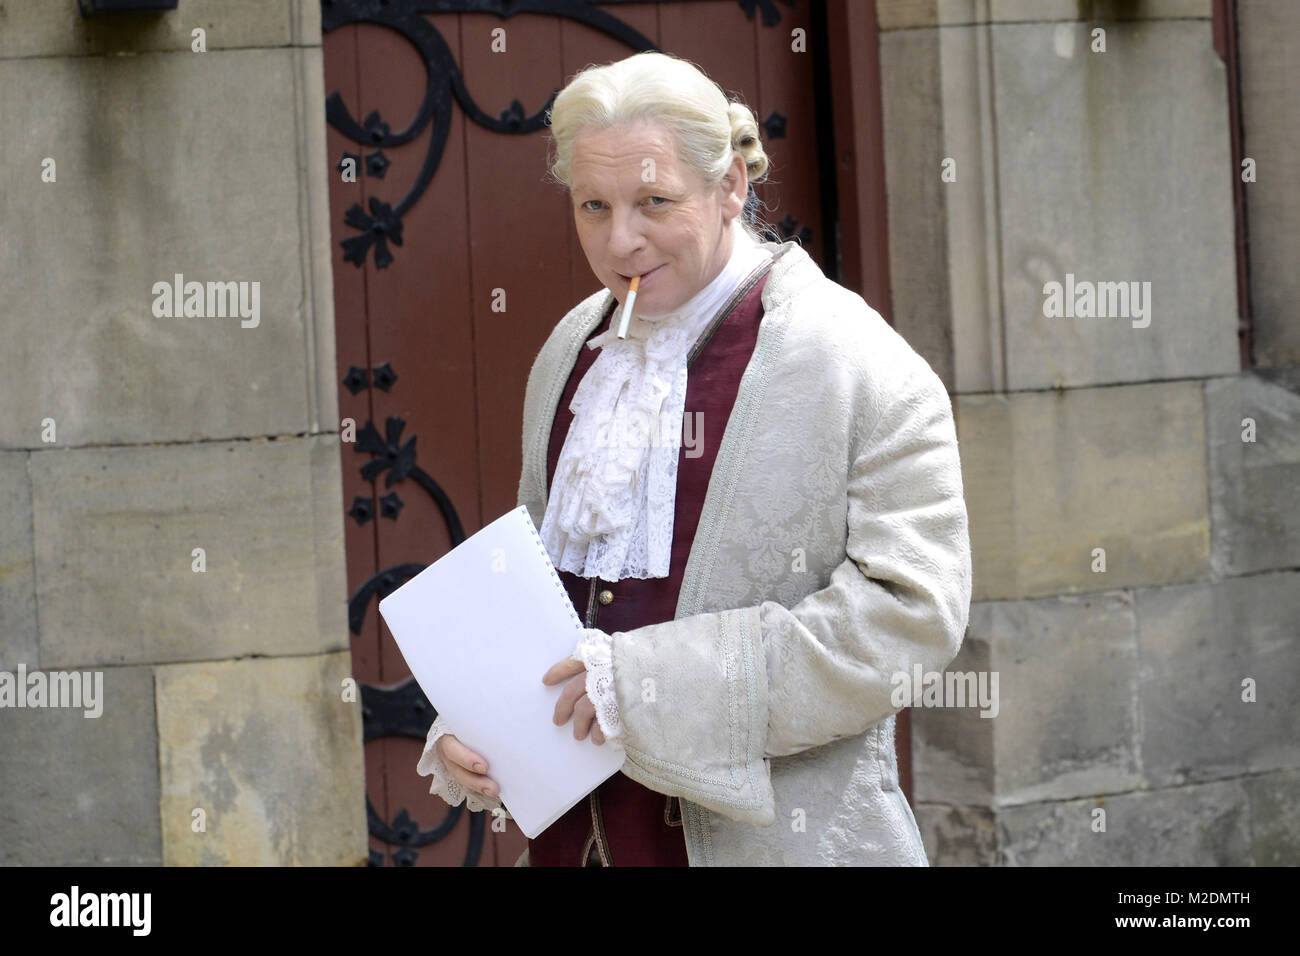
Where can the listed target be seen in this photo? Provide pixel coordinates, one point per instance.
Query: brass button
(606, 597)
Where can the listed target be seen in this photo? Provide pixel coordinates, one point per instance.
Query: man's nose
(626, 236)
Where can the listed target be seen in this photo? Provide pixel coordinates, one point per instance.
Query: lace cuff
(595, 650)
(443, 784)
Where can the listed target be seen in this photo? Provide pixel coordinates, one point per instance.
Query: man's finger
(573, 690)
(453, 751)
(584, 717)
(563, 670)
(479, 783)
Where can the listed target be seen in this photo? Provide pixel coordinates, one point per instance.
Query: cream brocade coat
(832, 552)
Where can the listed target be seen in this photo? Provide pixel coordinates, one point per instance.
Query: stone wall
(130, 440)
(1137, 563)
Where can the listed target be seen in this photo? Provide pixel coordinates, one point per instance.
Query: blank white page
(478, 628)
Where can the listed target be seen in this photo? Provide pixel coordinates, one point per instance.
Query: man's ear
(735, 186)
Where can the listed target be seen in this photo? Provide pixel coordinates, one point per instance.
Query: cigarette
(627, 307)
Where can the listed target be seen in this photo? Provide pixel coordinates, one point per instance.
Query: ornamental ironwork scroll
(444, 84)
(401, 711)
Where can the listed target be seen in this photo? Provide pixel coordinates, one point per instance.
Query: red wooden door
(449, 215)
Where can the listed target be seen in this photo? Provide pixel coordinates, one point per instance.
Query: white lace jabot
(610, 509)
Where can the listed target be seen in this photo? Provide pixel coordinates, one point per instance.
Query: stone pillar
(1133, 557)
(170, 486)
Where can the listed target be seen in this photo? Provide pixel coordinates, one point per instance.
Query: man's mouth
(645, 276)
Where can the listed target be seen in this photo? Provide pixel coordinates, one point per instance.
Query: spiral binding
(555, 576)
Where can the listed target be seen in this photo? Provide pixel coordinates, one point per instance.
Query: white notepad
(478, 628)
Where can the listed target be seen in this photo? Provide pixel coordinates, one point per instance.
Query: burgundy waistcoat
(623, 823)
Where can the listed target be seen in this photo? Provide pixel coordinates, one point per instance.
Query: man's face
(673, 226)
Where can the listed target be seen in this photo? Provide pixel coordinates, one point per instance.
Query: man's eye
(593, 205)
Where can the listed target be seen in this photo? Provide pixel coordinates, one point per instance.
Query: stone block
(1098, 154)
(18, 635)
(115, 532)
(1198, 643)
(1206, 825)
(38, 28)
(972, 207)
(78, 790)
(271, 753)
(957, 836)
(1270, 88)
(952, 747)
(1068, 722)
(132, 206)
(1051, 476)
(911, 101)
(909, 14)
(1253, 515)
(1274, 817)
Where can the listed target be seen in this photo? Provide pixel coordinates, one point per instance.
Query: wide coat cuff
(669, 704)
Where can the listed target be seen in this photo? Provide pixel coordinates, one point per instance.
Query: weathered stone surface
(128, 211)
(1068, 724)
(163, 168)
(970, 159)
(79, 790)
(911, 100)
(1274, 817)
(1204, 825)
(271, 753)
(905, 14)
(1198, 643)
(1270, 88)
(952, 747)
(944, 273)
(969, 258)
(30, 28)
(1100, 193)
(1050, 476)
(18, 637)
(1085, 709)
(1253, 510)
(329, 565)
(957, 836)
(315, 252)
(115, 531)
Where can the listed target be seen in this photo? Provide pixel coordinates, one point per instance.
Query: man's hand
(574, 701)
(465, 766)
